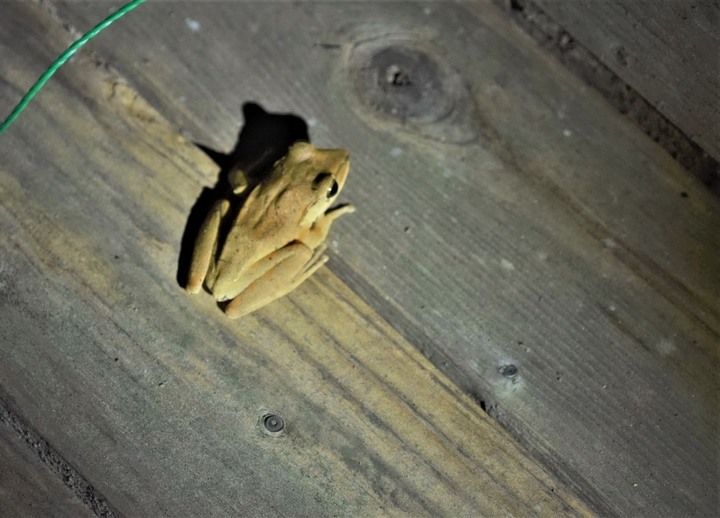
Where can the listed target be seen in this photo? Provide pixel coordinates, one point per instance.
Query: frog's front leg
(291, 265)
(205, 246)
(320, 229)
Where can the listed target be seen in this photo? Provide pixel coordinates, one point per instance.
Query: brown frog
(277, 238)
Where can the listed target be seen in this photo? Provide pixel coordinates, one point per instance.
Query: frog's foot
(316, 261)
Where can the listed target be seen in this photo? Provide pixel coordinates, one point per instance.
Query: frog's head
(321, 174)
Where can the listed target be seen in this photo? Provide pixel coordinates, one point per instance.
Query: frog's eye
(322, 181)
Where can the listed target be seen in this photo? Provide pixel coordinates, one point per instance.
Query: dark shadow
(263, 140)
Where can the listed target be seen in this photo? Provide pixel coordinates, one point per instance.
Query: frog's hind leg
(294, 263)
(205, 246)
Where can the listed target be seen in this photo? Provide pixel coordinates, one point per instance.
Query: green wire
(72, 49)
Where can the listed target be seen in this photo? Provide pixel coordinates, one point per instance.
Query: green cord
(63, 58)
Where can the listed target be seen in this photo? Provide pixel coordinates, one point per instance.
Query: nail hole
(508, 371)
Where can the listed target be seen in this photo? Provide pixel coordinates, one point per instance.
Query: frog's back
(251, 238)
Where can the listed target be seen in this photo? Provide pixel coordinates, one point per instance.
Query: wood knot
(399, 81)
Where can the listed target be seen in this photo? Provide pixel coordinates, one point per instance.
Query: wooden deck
(522, 318)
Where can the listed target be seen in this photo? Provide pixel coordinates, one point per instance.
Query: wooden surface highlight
(156, 397)
(561, 241)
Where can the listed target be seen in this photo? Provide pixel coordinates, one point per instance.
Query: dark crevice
(55, 462)
(554, 38)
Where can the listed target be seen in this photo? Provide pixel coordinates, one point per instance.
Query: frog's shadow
(264, 139)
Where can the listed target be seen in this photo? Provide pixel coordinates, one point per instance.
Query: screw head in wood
(273, 424)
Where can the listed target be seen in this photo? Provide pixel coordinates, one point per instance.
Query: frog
(250, 253)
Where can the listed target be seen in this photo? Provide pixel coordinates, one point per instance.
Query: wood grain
(156, 397)
(667, 51)
(560, 242)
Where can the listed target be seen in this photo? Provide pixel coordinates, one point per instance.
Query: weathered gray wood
(27, 487)
(155, 396)
(669, 51)
(561, 240)
(554, 38)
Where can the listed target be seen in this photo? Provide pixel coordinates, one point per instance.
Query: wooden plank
(155, 396)
(556, 238)
(27, 487)
(667, 51)
(554, 38)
